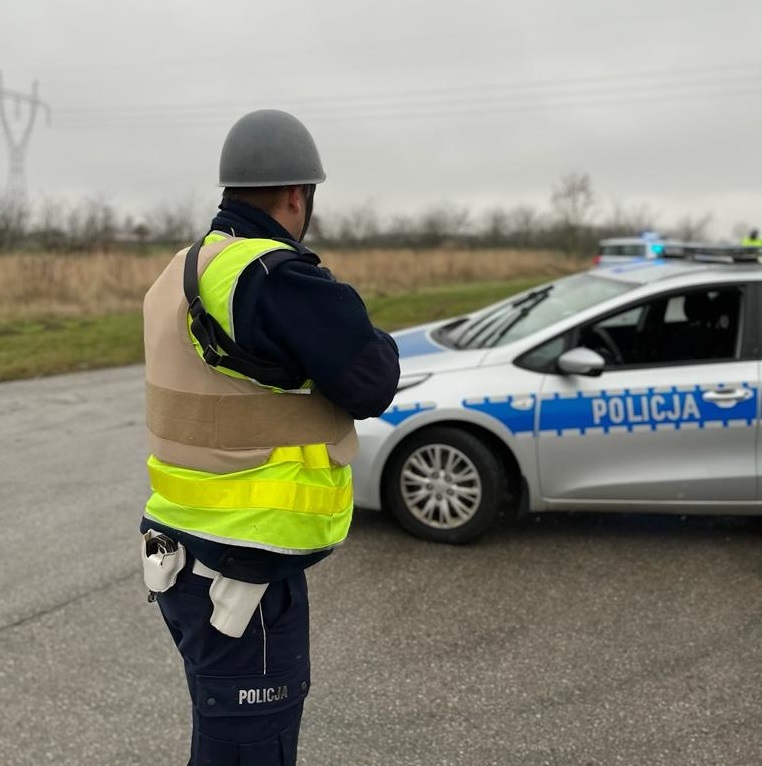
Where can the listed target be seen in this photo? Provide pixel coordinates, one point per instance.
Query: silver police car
(626, 388)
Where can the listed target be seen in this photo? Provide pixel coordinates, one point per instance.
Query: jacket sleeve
(314, 324)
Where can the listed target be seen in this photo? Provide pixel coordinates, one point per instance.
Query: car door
(672, 418)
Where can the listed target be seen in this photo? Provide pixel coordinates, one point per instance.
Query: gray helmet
(269, 148)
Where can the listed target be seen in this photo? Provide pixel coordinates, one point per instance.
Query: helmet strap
(309, 198)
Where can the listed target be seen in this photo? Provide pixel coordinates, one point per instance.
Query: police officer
(752, 240)
(257, 363)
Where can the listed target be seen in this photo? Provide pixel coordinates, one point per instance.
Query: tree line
(572, 223)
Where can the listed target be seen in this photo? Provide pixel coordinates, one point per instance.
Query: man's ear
(295, 199)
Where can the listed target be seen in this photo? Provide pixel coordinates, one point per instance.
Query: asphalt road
(565, 641)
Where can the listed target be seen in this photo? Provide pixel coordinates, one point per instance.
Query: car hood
(420, 353)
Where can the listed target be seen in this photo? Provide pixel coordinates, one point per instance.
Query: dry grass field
(39, 285)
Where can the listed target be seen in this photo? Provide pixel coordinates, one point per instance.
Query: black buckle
(211, 357)
(196, 307)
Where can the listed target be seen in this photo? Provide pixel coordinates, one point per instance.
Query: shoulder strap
(218, 348)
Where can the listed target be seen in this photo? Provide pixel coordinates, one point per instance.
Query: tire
(445, 485)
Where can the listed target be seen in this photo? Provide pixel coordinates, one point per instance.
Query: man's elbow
(368, 385)
(373, 407)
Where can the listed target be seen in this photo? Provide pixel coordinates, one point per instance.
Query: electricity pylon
(17, 147)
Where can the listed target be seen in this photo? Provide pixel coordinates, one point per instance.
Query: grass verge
(398, 311)
(36, 347)
(48, 346)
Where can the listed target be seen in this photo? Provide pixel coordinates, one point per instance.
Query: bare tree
(525, 223)
(50, 229)
(175, 223)
(442, 224)
(14, 215)
(622, 221)
(101, 223)
(572, 201)
(360, 225)
(517, 227)
(401, 231)
(496, 227)
(92, 225)
(692, 228)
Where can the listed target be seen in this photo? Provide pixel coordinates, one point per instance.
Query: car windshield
(512, 320)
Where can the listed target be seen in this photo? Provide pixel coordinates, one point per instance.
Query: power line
(481, 107)
(471, 93)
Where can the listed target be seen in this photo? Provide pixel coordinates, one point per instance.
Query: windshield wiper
(484, 329)
(465, 331)
(514, 318)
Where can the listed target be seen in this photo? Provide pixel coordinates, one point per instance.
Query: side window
(540, 359)
(695, 326)
(675, 312)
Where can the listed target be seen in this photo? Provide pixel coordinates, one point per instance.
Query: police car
(632, 387)
(622, 249)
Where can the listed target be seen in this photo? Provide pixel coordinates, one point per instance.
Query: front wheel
(445, 485)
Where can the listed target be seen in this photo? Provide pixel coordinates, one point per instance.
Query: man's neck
(243, 220)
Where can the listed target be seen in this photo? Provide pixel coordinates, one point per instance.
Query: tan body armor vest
(202, 419)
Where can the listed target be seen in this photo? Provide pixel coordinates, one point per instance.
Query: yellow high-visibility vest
(298, 501)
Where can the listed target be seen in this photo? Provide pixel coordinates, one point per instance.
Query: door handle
(727, 397)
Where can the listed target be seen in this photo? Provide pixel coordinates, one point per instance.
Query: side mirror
(581, 361)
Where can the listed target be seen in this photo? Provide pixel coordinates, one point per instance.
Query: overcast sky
(413, 103)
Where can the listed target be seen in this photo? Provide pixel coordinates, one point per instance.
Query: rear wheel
(445, 485)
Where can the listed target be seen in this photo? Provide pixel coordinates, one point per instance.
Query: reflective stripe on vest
(281, 506)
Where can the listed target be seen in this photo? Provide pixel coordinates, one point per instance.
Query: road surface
(564, 641)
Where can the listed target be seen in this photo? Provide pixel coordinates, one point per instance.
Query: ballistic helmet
(269, 148)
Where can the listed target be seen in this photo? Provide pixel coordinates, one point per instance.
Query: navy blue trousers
(248, 692)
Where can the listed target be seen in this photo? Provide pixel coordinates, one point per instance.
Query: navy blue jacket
(317, 328)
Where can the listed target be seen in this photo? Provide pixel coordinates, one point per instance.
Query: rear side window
(629, 251)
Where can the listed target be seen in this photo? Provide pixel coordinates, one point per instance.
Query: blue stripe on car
(396, 415)
(631, 409)
(638, 265)
(516, 413)
(601, 412)
(654, 408)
